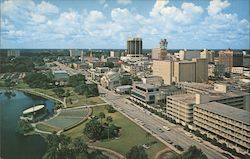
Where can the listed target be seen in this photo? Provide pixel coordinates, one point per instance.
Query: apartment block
(226, 124)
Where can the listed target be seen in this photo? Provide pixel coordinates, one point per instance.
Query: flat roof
(186, 98)
(147, 86)
(227, 111)
(60, 71)
(33, 109)
(214, 95)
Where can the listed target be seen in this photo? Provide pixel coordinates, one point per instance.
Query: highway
(155, 125)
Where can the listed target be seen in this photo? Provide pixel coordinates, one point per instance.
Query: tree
(126, 80)
(24, 127)
(137, 152)
(67, 94)
(59, 91)
(38, 80)
(109, 64)
(191, 153)
(59, 147)
(76, 80)
(79, 146)
(101, 116)
(110, 109)
(93, 129)
(109, 119)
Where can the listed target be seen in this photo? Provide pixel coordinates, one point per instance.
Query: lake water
(14, 146)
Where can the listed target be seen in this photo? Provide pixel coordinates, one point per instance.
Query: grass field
(45, 127)
(131, 134)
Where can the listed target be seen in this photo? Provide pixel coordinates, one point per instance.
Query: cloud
(26, 23)
(216, 6)
(124, 1)
(185, 15)
(46, 7)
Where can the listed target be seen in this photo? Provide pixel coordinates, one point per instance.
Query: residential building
(114, 54)
(110, 80)
(230, 59)
(226, 124)
(145, 93)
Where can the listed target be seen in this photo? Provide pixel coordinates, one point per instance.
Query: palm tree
(79, 145)
(102, 116)
(109, 119)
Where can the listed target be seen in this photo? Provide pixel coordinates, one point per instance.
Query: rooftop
(227, 111)
(146, 86)
(60, 71)
(186, 98)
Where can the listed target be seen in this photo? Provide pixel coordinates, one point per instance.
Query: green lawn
(131, 134)
(168, 155)
(45, 127)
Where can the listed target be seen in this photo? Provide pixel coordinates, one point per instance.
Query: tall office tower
(134, 46)
(230, 58)
(161, 52)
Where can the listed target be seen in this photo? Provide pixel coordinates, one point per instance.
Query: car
(188, 134)
(198, 139)
(178, 147)
(167, 128)
(161, 130)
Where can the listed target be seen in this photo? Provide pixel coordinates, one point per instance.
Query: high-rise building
(201, 70)
(75, 53)
(230, 59)
(161, 52)
(14, 53)
(134, 46)
(180, 71)
(209, 55)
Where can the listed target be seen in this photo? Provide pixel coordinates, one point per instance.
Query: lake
(13, 145)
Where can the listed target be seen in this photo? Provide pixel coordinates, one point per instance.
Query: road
(155, 125)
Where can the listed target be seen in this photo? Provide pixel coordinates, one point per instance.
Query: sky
(106, 24)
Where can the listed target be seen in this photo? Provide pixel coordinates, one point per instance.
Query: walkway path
(120, 156)
(157, 156)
